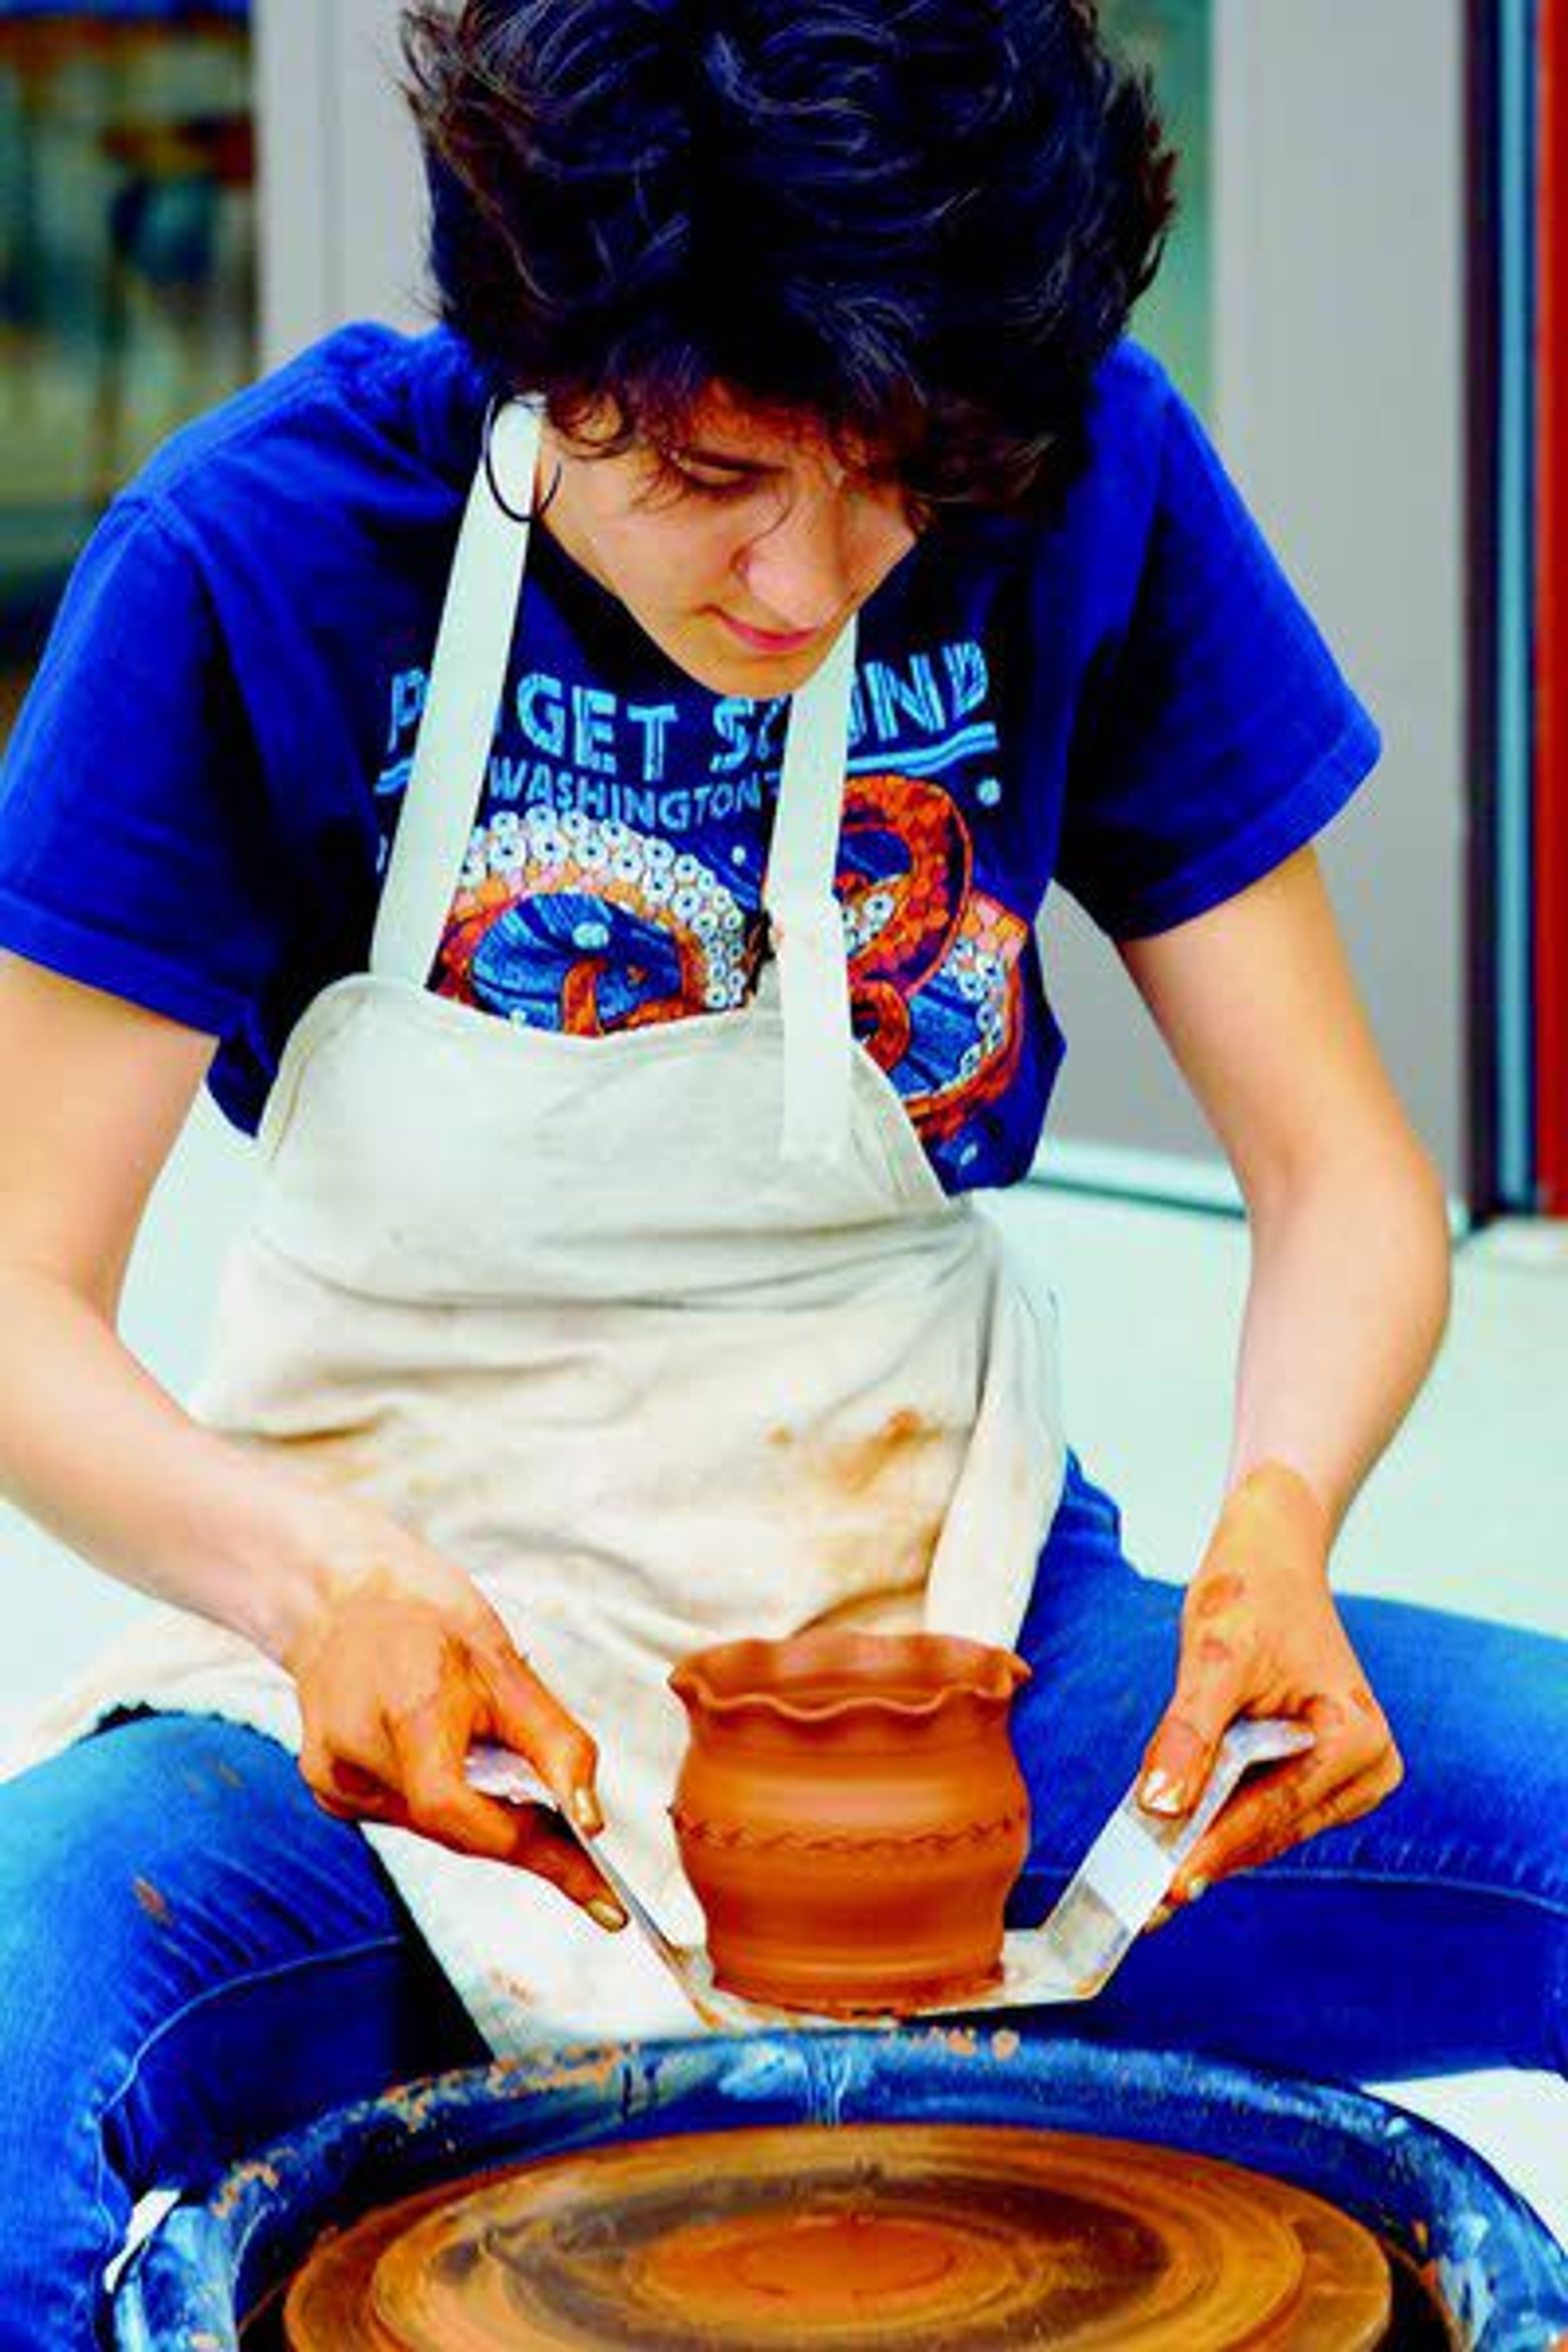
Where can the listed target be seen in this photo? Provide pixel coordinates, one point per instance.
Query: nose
(807, 568)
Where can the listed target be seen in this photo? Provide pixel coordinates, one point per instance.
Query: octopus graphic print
(617, 898)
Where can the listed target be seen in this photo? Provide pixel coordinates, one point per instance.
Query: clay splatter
(154, 1901)
(855, 1467)
(1218, 1593)
(962, 2040)
(589, 2063)
(409, 2102)
(513, 1987)
(878, 1501)
(242, 2177)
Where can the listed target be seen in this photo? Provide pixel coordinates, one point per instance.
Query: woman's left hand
(1261, 1636)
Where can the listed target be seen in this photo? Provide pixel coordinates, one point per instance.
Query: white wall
(61, 1610)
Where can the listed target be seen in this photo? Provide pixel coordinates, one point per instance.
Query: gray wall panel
(341, 204)
(1340, 256)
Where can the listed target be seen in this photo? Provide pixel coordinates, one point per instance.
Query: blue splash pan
(1501, 2277)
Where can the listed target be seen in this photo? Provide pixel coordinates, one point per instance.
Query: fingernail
(608, 1915)
(585, 1811)
(1161, 1794)
(1195, 1889)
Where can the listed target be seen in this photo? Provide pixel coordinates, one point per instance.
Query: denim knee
(67, 1994)
(192, 1956)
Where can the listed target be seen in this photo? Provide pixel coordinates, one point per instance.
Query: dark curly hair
(922, 223)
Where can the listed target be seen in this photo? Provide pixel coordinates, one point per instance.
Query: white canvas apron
(665, 1337)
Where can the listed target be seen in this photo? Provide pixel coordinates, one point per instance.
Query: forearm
(94, 1450)
(1345, 1309)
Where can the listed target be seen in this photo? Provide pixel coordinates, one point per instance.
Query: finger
(527, 1716)
(1288, 1806)
(1264, 1817)
(532, 1838)
(339, 1808)
(350, 1780)
(1211, 1685)
(1350, 1801)
(1261, 1809)
(430, 1741)
(433, 1742)
(316, 1768)
(552, 1853)
(345, 1750)
(370, 1803)
(1363, 1796)
(338, 1784)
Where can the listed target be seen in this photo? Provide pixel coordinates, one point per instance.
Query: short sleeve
(132, 856)
(1217, 733)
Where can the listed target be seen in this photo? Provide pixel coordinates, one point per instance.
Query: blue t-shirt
(198, 797)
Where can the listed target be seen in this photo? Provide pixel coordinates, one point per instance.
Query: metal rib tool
(1069, 1956)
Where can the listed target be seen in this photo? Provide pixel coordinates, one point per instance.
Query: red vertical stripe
(1551, 623)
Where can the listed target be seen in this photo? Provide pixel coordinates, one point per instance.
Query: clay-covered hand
(1261, 1636)
(400, 1670)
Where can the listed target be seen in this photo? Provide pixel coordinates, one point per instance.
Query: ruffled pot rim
(826, 1675)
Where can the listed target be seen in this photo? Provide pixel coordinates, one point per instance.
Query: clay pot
(851, 1816)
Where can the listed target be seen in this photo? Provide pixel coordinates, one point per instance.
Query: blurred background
(1364, 298)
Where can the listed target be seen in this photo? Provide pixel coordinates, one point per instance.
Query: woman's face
(742, 553)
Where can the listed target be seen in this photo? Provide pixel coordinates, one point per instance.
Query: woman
(781, 477)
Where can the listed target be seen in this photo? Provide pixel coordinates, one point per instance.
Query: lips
(763, 641)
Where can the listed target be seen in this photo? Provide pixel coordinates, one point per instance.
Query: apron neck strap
(446, 782)
(805, 916)
(467, 678)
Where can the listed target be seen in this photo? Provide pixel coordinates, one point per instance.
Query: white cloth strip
(806, 920)
(814, 999)
(467, 678)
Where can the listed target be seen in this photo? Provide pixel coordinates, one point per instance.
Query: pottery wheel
(935, 2238)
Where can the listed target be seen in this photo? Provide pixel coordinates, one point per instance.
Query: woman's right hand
(399, 1670)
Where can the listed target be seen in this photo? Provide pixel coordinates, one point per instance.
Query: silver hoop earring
(498, 401)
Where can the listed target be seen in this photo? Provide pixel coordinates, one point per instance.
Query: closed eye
(708, 486)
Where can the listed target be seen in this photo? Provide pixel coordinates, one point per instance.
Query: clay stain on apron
(332, 1457)
(899, 1473)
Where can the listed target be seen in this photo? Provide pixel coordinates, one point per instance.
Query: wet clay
(854, 2237)
(151, 1899)
(851, 1816)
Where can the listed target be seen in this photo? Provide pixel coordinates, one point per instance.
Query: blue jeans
(194, 1957)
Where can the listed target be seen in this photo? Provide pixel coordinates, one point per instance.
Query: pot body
(851, 1816)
